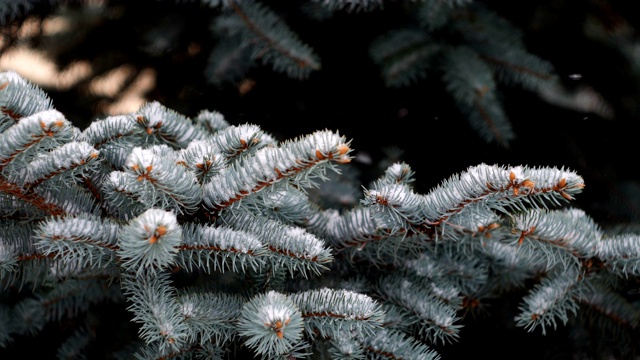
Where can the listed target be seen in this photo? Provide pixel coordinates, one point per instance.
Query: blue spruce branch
(218, 238)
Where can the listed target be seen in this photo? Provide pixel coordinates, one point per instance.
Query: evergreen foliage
(128, 209)
(467, 45)
(154, 234)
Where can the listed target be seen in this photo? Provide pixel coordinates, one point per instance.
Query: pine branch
(558, 238)
(149, 242)
(269, 40)
(395, 344)
(350, 5)
(87, 241)
(404, 56)
(495, 187)
(296, 160)
(290, 247)
(271, 324)
(470, 82)
(154, 304)
(550, 301)
(471, 49)
(434, 319)
(117, 212)
(336, 313)
(152, 175)
(42, 130)
(13, 92)
(620, 254)
(211, 317)
(220, 248)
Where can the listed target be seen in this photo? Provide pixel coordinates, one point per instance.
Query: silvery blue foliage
(214, 239)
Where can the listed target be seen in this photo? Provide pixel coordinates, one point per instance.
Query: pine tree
(213, 238)
(160, 233)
